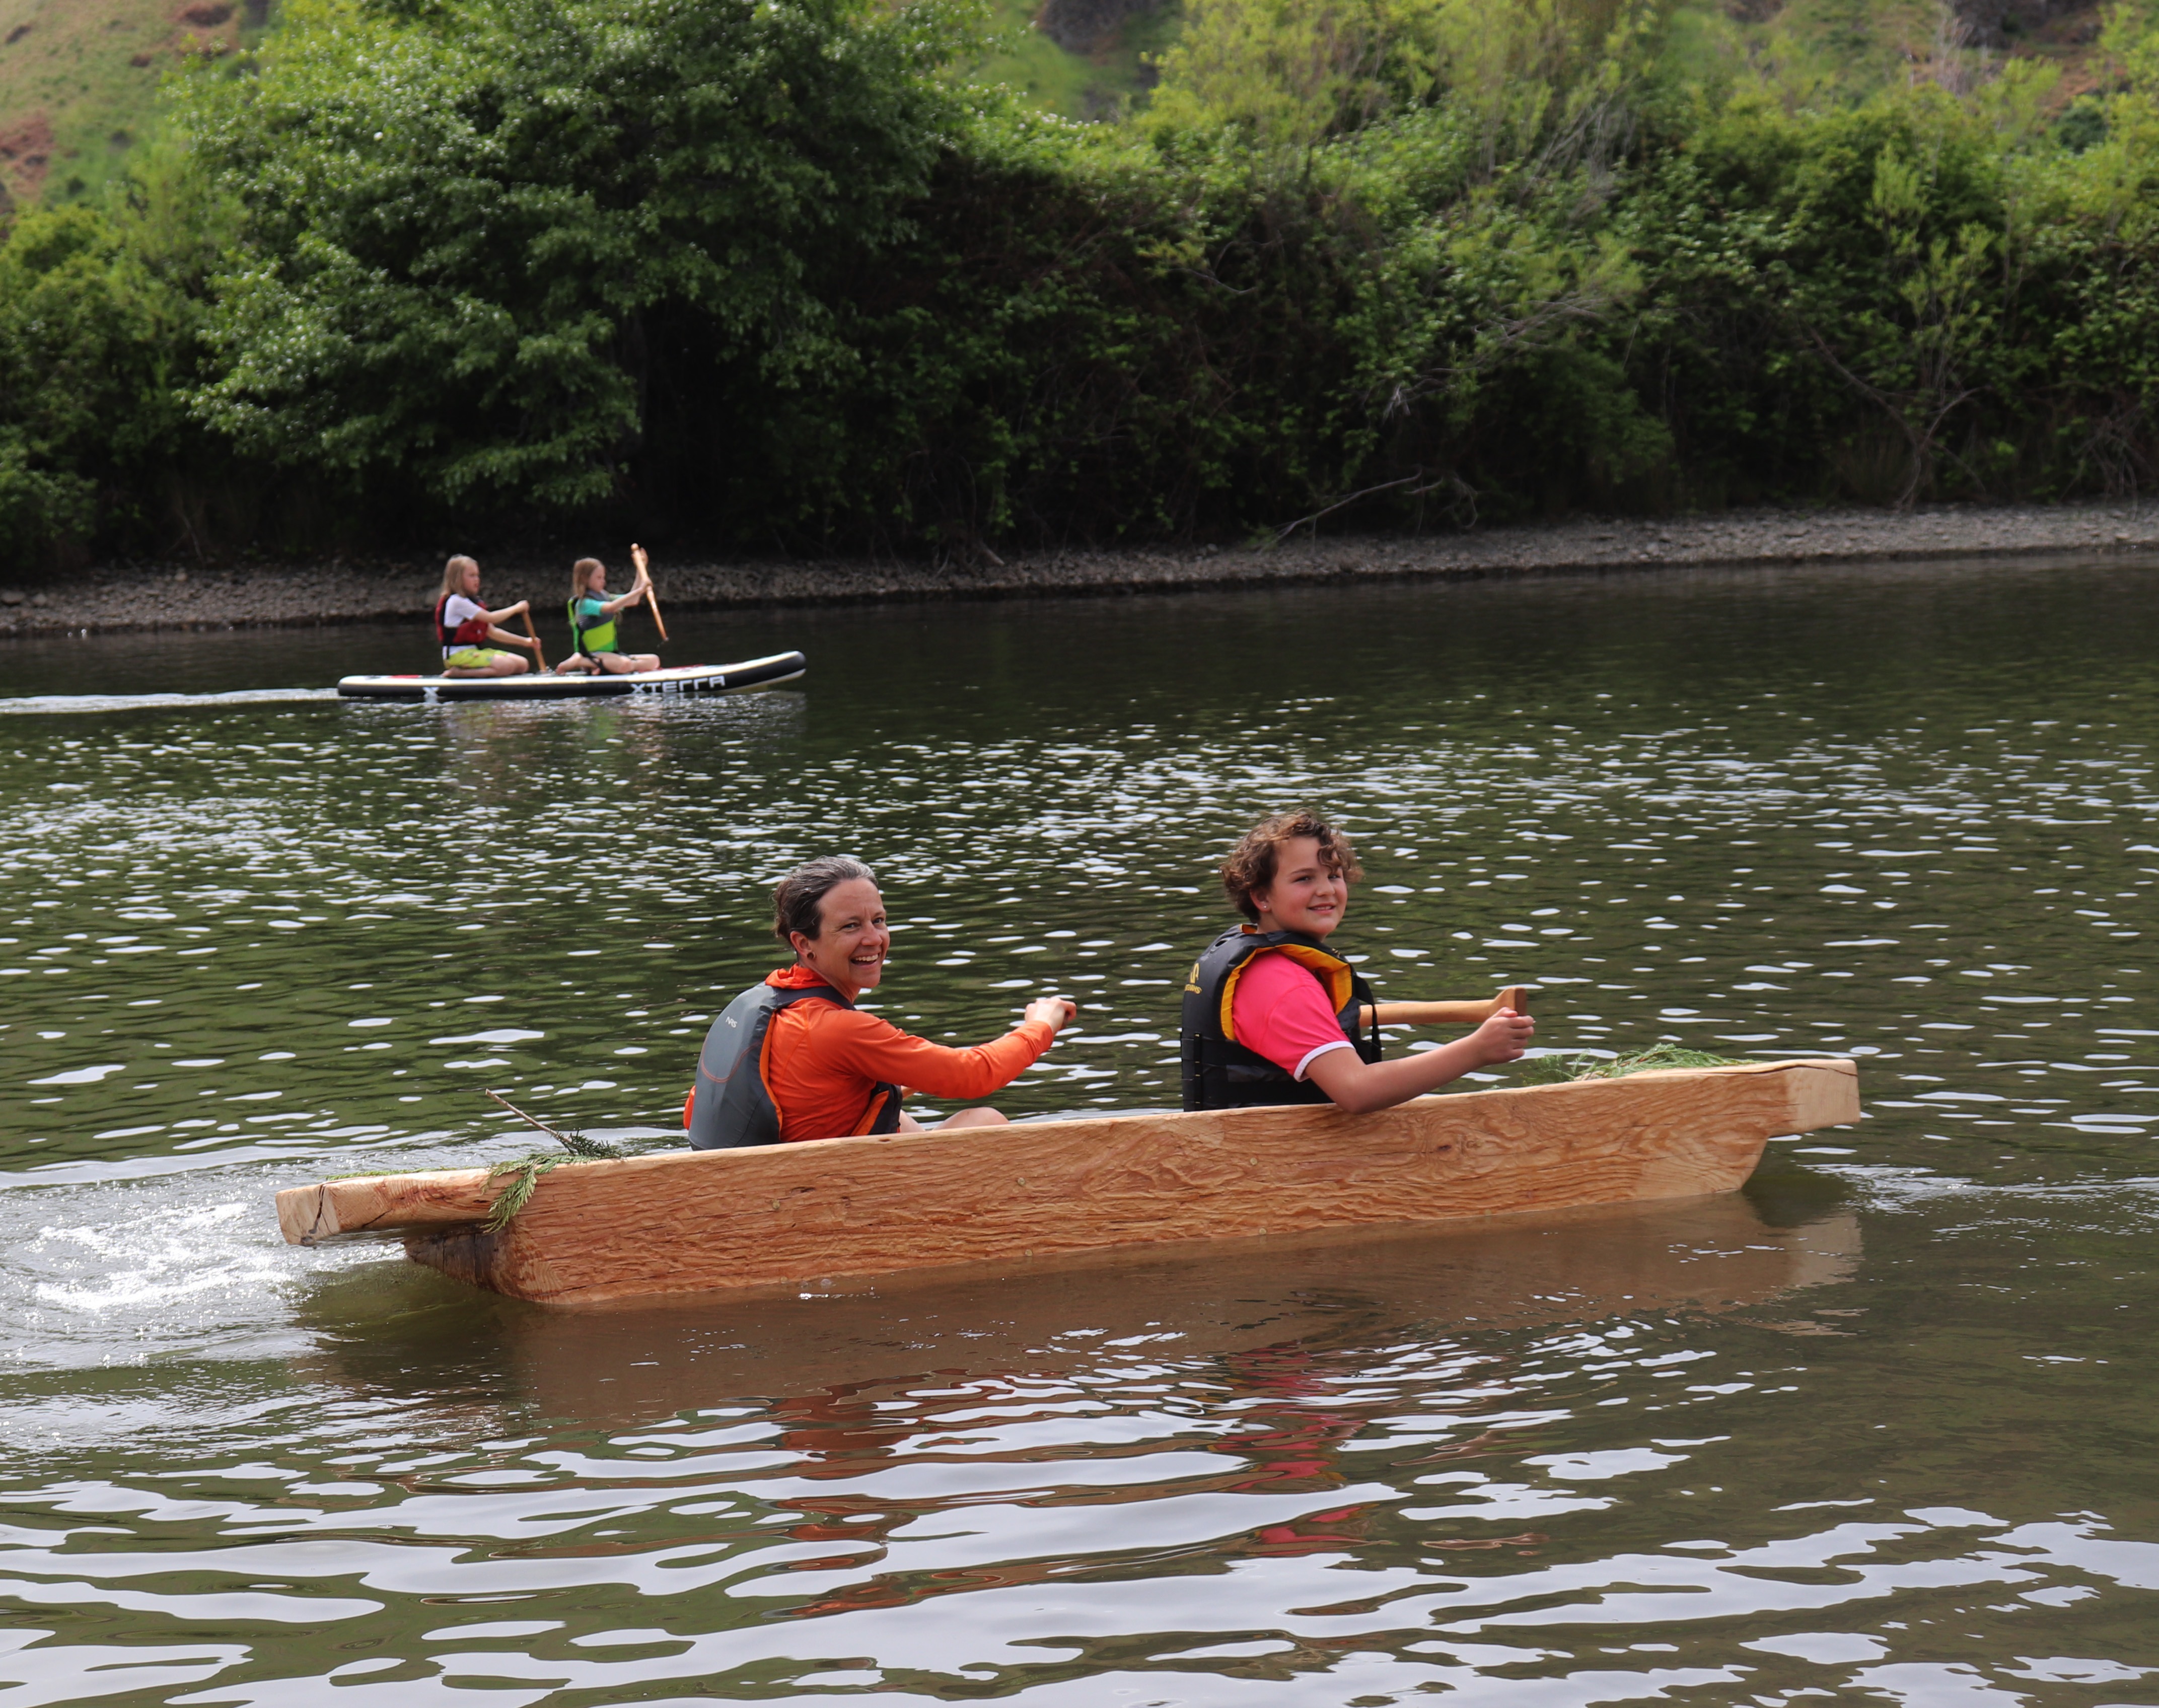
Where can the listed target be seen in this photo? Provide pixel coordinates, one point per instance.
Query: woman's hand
(1503, 1037)
(1056, 1011)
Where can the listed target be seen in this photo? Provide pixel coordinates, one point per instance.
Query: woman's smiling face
(1308, 893)
(849, 950)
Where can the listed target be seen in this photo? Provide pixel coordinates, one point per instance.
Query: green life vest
(592, 634)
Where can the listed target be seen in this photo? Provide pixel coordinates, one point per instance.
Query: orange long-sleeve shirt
(823, 1063)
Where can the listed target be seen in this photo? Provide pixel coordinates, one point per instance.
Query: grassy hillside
(79, 81)
(1085, 59)
(79, 78)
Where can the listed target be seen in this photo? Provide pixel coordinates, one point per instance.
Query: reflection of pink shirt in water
(1280, 1012)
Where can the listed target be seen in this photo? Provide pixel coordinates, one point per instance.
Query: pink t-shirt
(1280, 1012)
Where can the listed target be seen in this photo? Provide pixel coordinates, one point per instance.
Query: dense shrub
(89, 336)
(763, 271)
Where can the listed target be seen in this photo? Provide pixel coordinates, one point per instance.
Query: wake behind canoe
(688, 679)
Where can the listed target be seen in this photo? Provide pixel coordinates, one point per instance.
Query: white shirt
(457, 611)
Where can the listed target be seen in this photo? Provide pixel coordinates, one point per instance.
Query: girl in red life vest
(463, 627)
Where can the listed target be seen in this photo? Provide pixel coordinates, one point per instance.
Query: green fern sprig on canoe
(1560, 1069)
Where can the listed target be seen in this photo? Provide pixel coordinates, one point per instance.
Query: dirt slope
(79, 81)
(79, 78)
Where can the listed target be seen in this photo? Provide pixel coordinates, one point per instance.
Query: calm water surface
(1880, 1428)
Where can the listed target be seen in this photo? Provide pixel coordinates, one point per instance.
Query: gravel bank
(173, 598)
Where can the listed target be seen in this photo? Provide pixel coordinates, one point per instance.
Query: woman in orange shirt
(792, 1057)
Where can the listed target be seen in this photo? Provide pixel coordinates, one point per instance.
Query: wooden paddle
(539, 657)
(1515, 997)
(652, 599)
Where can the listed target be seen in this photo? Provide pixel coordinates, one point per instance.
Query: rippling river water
(1879, 1427)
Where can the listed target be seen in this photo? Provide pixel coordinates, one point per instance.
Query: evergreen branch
(523, 1173)
(577, 1144)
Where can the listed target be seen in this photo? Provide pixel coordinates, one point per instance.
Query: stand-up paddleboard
(686, 678)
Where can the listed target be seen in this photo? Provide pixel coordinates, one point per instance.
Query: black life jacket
(1222, 1073)
(471, 632)
(730, 1105)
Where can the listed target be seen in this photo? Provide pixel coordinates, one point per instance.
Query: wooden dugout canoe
(789, 1216)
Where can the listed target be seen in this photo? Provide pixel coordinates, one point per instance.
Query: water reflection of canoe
(788, 1216)
(686, 679)
(1339, 1287)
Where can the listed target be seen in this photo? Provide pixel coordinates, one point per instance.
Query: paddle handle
(1515, 997)
(652, 599)
(539, 657)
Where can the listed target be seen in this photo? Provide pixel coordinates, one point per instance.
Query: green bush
(485, 244)
(764, 272)
(88, 337)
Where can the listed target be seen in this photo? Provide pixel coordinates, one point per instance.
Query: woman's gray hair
(799, 900)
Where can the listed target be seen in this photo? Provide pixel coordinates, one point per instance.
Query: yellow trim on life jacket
(1331, 970)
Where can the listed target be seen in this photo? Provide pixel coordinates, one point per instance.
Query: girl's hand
(1503, 1037)
(520, 608)
(1056, 1011)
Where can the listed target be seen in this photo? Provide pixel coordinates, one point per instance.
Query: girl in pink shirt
(1270, 1014)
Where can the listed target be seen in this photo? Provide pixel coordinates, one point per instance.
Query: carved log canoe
(820, 1214)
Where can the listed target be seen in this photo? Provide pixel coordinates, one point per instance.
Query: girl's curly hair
(1250, 865)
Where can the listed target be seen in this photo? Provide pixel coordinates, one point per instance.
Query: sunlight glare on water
(1878, 1426)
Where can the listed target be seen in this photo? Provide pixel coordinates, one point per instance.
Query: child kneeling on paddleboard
(463, 626)
(793, 1058)
(593, 621)
(1271, 1014)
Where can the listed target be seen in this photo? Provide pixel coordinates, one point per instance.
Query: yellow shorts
(473, 658)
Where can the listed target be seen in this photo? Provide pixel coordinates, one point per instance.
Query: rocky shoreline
(150, 596)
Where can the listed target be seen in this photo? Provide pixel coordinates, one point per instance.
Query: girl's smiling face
(849, 950)
(1308, 894)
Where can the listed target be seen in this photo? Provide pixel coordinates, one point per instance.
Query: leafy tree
(89, 336)
(764, 270)
(480, 238)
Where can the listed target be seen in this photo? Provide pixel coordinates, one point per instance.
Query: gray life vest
(730, 1104)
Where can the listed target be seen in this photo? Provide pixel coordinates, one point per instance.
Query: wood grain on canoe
(786, 1215)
